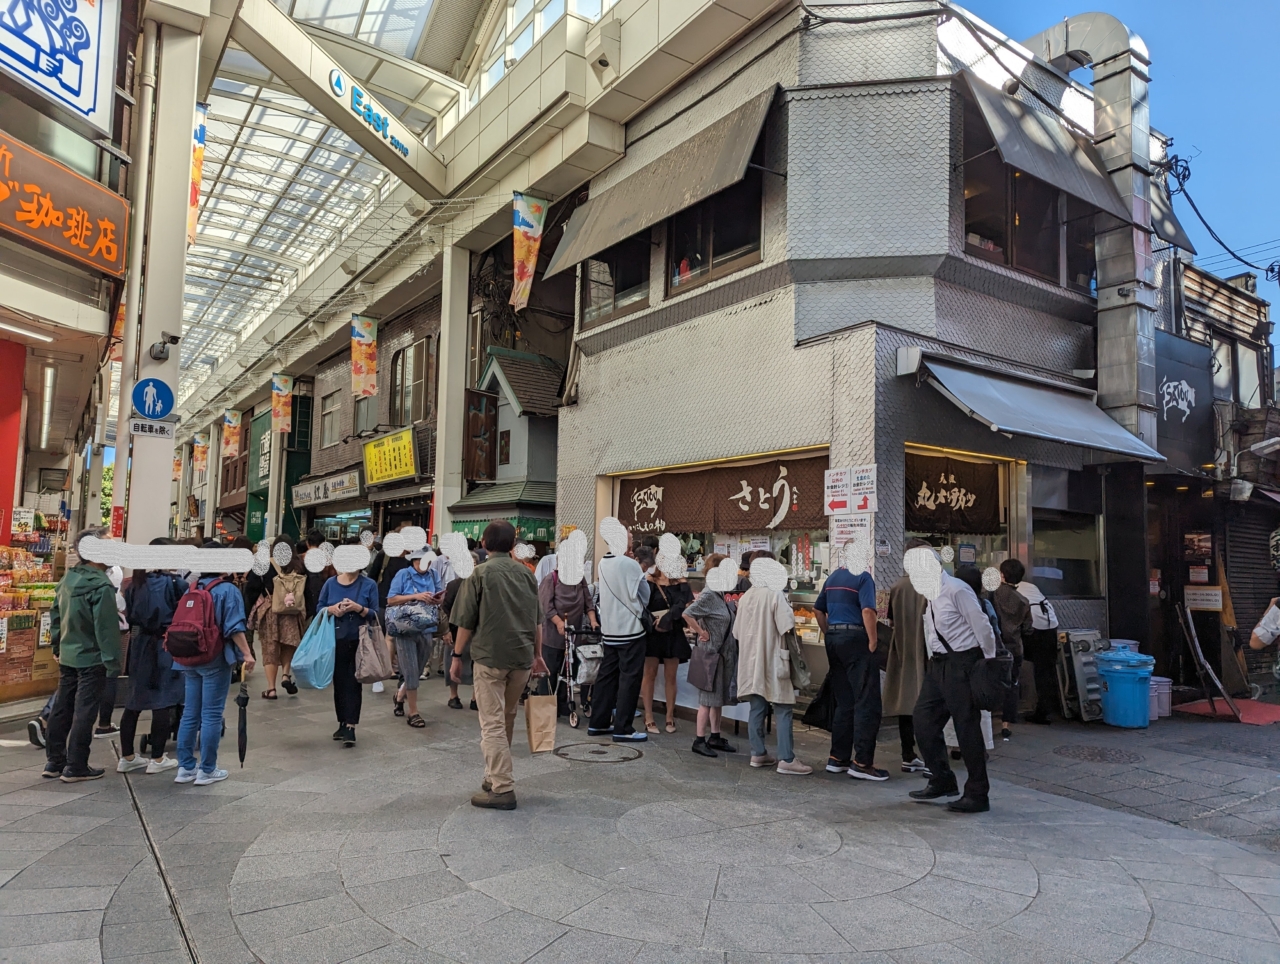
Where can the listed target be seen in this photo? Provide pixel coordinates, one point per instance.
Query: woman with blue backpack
(207, 638)
(156, 684)
(412, 620)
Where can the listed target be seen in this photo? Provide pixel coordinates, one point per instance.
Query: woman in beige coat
(764, 663)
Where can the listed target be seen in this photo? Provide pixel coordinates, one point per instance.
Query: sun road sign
(152, 398)
(364, 106)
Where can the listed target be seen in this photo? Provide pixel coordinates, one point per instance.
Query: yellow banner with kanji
(390, 458)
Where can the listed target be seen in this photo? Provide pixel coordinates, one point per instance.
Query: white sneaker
(185, 776)
(128, 766)
(204, 779)
(162, 764)
(378, 687)
(794, 768)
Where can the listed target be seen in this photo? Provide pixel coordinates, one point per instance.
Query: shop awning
(1039, 145)
(518, 492)
(1034, 409)
(1164, 222)
(711, 160)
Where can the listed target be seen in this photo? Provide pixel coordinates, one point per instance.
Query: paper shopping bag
(540, 719)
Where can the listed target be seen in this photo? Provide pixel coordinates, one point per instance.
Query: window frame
(334, 414)
(614, 313)
(706, 209)
(363, 405)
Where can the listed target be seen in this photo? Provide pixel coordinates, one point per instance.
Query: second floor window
(410, 374)
(366, 415)
(616, 281)
(719, 235)
(330, 431)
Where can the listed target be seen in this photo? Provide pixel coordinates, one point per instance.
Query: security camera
(171, 339)
(160, 350)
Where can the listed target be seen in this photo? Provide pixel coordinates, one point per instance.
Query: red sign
(53, 206)
(117, 522)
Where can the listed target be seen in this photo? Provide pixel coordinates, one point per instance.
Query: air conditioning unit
(604, 50)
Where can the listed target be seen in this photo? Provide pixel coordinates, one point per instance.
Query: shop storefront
(334, 505)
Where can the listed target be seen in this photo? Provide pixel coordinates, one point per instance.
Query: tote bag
(373, 659)
(313, 661)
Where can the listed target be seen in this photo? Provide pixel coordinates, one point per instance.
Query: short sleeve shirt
(845, 595)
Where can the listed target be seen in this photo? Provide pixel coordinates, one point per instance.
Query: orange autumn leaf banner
(200, 452)
(282, 403)
(364, 356)
(230, 433)
(528, 215)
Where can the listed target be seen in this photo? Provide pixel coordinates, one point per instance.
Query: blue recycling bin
(1126, 683)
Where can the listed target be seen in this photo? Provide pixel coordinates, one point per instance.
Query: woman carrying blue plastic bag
(312, 664)
(351, 598)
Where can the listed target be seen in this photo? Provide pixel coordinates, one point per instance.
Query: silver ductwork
(1126, 292)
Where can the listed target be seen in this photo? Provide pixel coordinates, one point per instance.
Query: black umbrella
(242, 701)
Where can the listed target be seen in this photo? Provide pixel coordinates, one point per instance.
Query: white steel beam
(287, 50)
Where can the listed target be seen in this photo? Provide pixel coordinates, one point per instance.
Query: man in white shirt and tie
(957, 635)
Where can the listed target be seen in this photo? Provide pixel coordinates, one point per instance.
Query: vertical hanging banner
(231, 434)
(177, 469)
(282, 403)
(117, 335)
(200, 452)
(528, 214)
(364, 356)
(197, 170)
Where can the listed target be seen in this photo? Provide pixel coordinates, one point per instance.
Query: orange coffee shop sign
(53, 206)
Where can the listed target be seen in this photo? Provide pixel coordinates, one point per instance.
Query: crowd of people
(498, 623)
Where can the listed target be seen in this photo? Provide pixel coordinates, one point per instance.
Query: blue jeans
(781, 723)
(202, 713)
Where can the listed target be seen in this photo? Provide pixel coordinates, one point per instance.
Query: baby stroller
(583, 653)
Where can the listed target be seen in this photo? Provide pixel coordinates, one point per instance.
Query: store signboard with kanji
(51, 205)
(390, 458)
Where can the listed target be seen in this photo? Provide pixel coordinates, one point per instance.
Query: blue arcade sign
(366, 108)
(152, 398)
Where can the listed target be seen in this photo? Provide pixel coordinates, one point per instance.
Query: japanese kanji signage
(53, 206)
(951, 495)
(390, 458)
(779, 495)
(846, 491)
(150, 429)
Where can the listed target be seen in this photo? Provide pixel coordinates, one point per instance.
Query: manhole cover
(1097, 754)
(598, 753)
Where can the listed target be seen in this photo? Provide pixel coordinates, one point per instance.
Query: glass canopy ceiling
(281, 186)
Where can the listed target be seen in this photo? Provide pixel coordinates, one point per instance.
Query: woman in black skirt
(666, 643)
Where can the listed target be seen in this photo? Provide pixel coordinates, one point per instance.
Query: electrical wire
(1179, 169)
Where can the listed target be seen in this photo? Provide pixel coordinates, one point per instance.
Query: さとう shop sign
(365, 107)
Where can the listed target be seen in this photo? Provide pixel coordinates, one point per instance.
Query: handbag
(412, 619)
(703, 666)
(312, 665)
(373, 660)
(658, 615)
(823, 708)
(540, 717)
(800, 675)
(990, 680)
(590, 656)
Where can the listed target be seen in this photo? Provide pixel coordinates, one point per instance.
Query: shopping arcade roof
(282, 188)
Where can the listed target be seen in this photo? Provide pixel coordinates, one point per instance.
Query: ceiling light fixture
(46, 405)
(26, 334)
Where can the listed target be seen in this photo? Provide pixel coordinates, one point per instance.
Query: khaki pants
(497, 693)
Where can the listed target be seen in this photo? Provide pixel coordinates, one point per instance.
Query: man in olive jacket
(85, 633)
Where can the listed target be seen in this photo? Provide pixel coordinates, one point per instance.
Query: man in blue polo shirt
(846, 611)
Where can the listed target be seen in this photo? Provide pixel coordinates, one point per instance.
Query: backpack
(194, 638)
(288, 596)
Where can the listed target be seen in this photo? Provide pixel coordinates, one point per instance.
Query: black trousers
(75, 710)
(1041, 647)
(907, 735)
(1010, 712)
(855, 683)
(945, 694)
(108, 705)
(618, 687)
(347, 693)
(161, 729)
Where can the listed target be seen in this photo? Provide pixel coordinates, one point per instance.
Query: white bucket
(1153, 704)
(1162, 686)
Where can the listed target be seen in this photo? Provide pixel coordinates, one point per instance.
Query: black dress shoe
(932, 791)
(701, 748)
(718, 742)
(969, 805)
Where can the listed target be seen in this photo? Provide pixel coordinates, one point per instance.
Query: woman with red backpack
(207, 638)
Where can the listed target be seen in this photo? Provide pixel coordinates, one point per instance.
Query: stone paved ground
(313, 853)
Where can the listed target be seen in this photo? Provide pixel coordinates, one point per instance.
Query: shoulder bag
(373, 659)
(704, 664)
(800, 675)
(647, 622)
(658, 615)
(990, 680)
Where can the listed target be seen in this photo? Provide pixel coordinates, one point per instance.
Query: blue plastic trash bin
(1126, 682)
